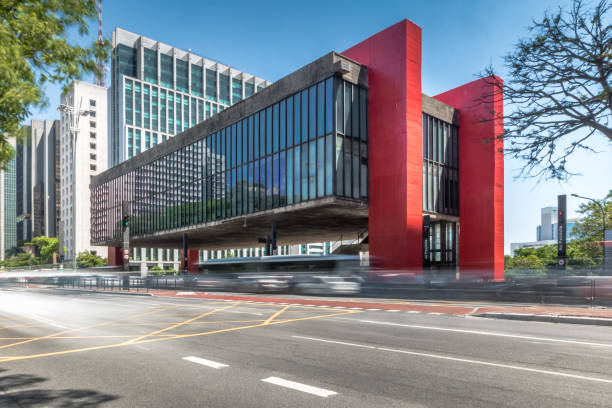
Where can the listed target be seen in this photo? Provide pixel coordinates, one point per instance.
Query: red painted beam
(393, 57)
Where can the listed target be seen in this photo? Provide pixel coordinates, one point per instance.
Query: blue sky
(273, 38)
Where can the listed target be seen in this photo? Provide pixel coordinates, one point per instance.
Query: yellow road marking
(275, 315)
(85, 327)
(174, 326)
(108, 346)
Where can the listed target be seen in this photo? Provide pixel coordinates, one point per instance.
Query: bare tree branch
(558, 91)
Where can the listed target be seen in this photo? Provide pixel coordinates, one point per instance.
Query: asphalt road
(67, 349)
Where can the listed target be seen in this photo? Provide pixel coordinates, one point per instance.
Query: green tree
(558, 91)
(86, 259)
(45, 247)
(587, 234)
(34, 50)
(20, 260)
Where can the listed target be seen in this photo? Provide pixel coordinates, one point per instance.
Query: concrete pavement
(72, 349)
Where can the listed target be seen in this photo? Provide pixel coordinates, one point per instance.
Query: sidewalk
(552, 313)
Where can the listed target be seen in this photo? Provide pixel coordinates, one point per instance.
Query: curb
(108, 292)
(595, 321)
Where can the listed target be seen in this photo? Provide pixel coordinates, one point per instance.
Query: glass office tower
(158, 91)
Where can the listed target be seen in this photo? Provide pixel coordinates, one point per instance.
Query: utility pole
(125, 211)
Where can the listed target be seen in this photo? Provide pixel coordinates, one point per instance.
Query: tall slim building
(158, 91)
(84, 153)
(8, 213)
(37, 178)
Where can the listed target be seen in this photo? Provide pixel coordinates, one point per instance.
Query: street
(71, 349)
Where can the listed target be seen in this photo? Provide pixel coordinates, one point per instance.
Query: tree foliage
(34, 50)
(558, 88)
(86, 259)
(19, 260)
(588, 231)
(45, 247)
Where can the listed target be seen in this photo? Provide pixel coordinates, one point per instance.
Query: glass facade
(288, 152)
(10, 204)
(440, 166)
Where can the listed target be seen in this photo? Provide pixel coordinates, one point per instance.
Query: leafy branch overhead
(34, 50)
(558, 89)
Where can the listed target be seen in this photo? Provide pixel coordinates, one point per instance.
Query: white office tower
(83, 154)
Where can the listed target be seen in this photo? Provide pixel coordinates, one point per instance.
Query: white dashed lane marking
(321, 392)
(204, 362)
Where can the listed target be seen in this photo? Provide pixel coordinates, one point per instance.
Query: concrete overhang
(440, 110)
(325, 219)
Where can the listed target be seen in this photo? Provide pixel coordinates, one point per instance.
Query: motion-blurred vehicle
(261, 284)
(325, 285)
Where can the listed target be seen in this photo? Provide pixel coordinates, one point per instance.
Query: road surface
(70, 349)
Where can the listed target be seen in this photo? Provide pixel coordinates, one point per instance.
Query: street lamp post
(74, 130)
(603, 223)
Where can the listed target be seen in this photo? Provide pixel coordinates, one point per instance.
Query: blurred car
(215, 282)
(260, 284)
(326, 285)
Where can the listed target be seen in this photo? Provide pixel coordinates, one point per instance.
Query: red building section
(193, 257)
(393, 57)
(115, 256)
(481, 178)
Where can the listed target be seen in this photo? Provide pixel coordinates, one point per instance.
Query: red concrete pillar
(193, 258)
(393, 57)
(115, 257)
(481, 179)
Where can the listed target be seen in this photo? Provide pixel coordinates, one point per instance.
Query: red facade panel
(193, 258)
(115, 256)
(481, 179)
(393, 57)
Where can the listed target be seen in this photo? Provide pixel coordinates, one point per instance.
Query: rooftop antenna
(100, 77)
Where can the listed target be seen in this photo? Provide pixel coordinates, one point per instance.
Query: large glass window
(137, 104)
(154, 108)
(162, 110)
(196, 80)
(440, 166)
(126, 60)
(249, 89)
(129, 103)
(211, 85)
(150, 66)
(147, 106)
(182, 75)
(236, 90)
(167, 71)
(224, 89)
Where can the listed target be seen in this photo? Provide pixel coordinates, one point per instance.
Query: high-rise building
(547, 231)
(8, 213)
(84, 153)
(37, 178)
(158, 91)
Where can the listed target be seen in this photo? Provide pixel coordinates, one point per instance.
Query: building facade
(158, 91)
(37, 178)
(84, 153)
(8, 205)
(344, 145)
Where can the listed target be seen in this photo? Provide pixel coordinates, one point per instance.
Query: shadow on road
(22, 390)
